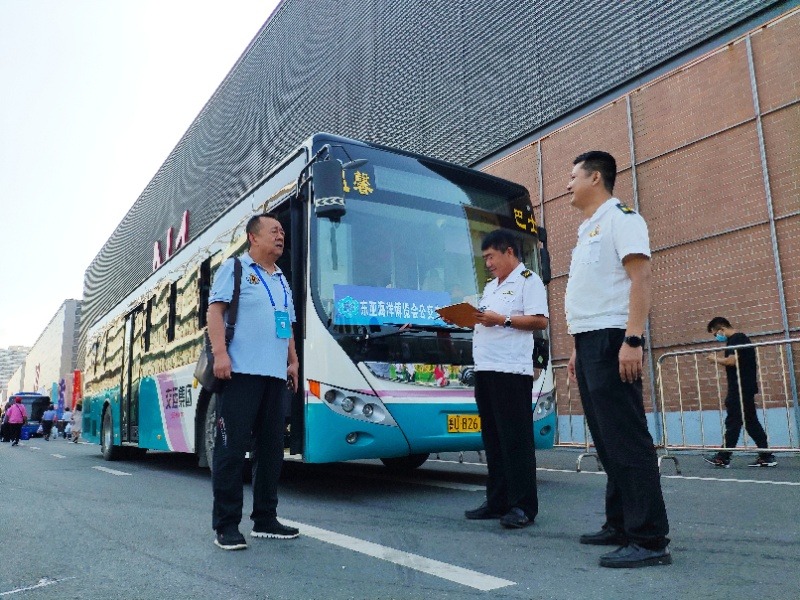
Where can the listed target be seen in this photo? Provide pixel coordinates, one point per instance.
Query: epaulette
(626, 209)
(526, 273)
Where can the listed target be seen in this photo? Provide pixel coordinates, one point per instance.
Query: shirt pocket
(590, 251)
(509, 302)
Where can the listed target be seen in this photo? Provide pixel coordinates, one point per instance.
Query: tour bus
(376, 240)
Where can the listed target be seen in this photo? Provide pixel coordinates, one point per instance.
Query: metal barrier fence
(691, 394)
(690, 400)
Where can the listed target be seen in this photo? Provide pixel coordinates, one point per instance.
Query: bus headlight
(355, 405)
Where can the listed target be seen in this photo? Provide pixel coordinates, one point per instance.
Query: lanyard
(271, 299)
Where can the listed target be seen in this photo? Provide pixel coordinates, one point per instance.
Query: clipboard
(462, 314)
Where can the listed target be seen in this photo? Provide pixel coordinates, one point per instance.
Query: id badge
(283, 326)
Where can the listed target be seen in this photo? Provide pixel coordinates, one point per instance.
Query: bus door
(294, 404)
(131, 370)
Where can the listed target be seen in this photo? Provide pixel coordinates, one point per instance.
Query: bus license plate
(463, 424)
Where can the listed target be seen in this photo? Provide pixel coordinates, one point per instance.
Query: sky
(94, 94)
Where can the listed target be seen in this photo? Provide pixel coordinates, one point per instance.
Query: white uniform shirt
(598, 289)
(504, 349)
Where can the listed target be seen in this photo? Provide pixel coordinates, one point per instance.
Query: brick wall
(701, 188)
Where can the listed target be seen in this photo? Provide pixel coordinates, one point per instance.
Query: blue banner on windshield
(364, 305)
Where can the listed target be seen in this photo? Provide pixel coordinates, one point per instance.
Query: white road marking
(688, 477)
(58, 455)
(732, 480)
(112, 471)
(44, 582)
(34, 448)
(433, 567)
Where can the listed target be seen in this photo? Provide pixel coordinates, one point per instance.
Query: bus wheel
(405, 463)
(107, 447)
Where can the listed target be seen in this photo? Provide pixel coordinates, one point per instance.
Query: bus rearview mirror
(328, 181)
(544, 253)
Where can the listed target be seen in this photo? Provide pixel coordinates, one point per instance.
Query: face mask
(721, 337)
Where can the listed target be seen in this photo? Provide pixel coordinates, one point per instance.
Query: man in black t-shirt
(740, 367)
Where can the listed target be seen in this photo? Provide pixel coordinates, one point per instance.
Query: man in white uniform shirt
(607, 301)
(513, 305)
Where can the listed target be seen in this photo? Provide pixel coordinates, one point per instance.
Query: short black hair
(501, 240)
(718, 322)
(602, 162)
(254, 224)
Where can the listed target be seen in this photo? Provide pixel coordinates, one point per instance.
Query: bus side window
(148, 320)
(204, 288)
(173, 310)
(105, 350)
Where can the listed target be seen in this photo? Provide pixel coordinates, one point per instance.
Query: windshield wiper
(408, 328)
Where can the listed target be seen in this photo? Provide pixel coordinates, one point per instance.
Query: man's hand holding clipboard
(462, 314)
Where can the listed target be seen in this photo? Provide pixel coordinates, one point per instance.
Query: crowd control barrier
(692, 391)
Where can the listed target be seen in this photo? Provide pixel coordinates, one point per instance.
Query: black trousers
(250, 416)
(733, 422)
(614, 412)
(505, 405)
(47, 429)
(14, 431)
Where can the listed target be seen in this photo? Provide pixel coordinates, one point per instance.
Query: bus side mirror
(328, 180)
(544, 254)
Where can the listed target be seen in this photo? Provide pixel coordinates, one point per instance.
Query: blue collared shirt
(255, 348)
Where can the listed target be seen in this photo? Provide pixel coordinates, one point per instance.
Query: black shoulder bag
(204, 371)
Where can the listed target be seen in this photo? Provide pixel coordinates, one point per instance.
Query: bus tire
(107, 447)
(405, 463)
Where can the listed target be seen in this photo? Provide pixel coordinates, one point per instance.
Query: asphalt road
(75, 526)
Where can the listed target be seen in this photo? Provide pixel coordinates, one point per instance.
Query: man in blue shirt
(257, 366)
(48, 420)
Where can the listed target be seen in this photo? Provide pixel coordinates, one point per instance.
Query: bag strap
(233, 307)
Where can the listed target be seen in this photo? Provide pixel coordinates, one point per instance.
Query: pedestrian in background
(77, 423)
(66, 423)
(5, 432)
(16, 416)
(607, 302)
(738, 398)
(48, 420)
(257, 366)
(513, 305)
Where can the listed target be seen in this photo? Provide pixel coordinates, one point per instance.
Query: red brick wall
(701, 189)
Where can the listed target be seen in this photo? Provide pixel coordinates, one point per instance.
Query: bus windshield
(410, 241)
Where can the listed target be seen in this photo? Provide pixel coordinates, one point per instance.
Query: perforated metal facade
(455, 79)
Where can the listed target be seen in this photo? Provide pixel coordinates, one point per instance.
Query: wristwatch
(507, 322)
(634, 341)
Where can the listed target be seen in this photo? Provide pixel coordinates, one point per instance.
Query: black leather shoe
(482, 512)
(607, 536)
(515, 519)
(633, 556)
